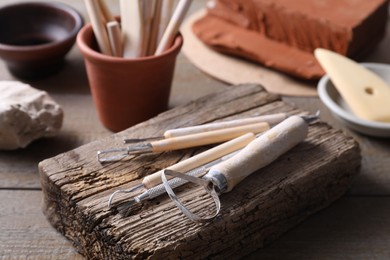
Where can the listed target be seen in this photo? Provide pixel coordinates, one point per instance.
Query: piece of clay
(26, 114)
(282, 34)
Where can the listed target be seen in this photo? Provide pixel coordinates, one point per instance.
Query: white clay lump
(26, 114)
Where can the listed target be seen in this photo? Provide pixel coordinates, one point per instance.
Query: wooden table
(355, 227)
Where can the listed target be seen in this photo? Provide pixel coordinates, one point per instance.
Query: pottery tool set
(146, 27)
(225, 173)
(238, 133)
(249, 189)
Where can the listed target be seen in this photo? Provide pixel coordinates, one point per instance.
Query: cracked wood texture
(308, 178)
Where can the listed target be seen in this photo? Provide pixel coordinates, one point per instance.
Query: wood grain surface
(357, 226)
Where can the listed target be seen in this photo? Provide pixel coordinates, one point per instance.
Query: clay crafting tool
(151, 181)
(181, 142)
(105, 11)
(147, 16)
(265, 149)
(173, 26)
(115, 38)
(366, 94)
(132, 27)
(153, 38)
(270, 119)
(166, 15)
(98, 25)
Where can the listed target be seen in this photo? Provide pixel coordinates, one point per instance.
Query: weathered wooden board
(308, 178)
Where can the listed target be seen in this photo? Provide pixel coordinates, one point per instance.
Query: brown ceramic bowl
(36, 36)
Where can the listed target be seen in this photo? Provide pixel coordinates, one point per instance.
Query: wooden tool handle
(210, 137)
(132, 28)
(270, 119)
(262, 151)
(153, 39)
(202, 158)
(98, 26)
(105, 11)
(173, 26)
(115, 38)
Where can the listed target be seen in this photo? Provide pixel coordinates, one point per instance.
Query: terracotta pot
(127, 91)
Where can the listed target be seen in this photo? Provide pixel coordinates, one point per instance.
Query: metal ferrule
(143, 196)
(218, 179)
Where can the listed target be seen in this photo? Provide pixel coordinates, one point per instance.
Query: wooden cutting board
(312, 175)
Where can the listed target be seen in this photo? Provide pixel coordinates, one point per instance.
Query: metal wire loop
(207, 185)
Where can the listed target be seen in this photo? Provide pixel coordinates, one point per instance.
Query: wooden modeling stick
(98, 26)
(154, 28)
(166, 15)
(115, 38)
(147, 13)
(271, 119)
(173, 26)
(105, 11)
(132, 27)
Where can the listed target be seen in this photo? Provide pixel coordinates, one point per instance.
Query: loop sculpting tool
(160, 189)
(181, 142)
(224, 176)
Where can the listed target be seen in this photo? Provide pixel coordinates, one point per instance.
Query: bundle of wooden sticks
(147, 27)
